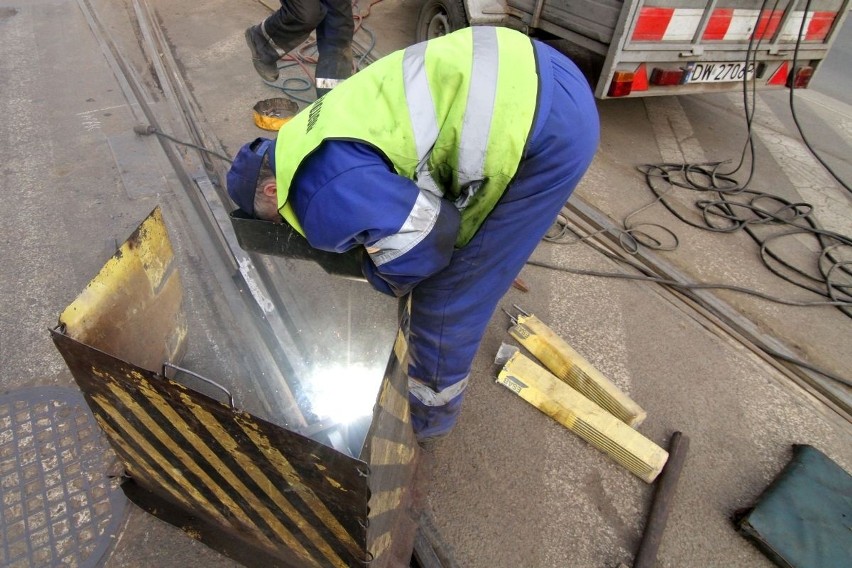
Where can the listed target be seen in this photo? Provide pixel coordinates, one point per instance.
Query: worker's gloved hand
(375, 279)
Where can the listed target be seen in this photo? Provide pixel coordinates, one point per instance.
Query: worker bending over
(291, 24)
(447, 161)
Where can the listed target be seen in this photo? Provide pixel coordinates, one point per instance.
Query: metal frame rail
(714, 310)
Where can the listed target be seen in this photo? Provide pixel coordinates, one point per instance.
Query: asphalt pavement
(834, 77)
(510, 487)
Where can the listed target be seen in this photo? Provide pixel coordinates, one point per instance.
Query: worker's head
(251, 180)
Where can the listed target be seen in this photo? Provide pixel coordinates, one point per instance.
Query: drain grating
(57, 505)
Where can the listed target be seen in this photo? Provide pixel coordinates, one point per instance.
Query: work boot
(263, 55)
(430, 443)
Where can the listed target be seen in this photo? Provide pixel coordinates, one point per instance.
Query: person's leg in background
(334, 45)
(451, 310)
(282, 31)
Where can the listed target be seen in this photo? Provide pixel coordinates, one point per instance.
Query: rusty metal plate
(133, 307)
(281, 495)
(255, 491)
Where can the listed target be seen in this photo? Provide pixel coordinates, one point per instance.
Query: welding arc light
(343, 393)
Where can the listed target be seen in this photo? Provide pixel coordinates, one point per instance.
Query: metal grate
(57, 504)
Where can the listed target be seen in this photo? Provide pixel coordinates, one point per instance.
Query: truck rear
(660, 47)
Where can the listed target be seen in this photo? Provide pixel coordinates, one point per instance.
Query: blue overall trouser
(451, 310)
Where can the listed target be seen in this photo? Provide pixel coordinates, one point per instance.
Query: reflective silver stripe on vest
(419, 223)
(421, 111)
(426, 208)
(473, 145)
(478, 112)
(429, 397)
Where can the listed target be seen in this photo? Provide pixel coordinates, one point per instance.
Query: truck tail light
(800, 77)
(664, 77)
(622, 84)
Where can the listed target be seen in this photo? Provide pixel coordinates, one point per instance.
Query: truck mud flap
(255, 491)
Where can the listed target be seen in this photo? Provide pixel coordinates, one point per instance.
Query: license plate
(701, 72)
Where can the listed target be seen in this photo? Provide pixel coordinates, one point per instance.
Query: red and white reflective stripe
(728, 24)
(817, 26)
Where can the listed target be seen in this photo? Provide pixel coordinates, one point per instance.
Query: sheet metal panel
(257, 492)
(392, 452)
(295, 499)
(133, 308)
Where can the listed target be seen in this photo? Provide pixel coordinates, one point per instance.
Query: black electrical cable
(564, 231)
(793, 108)
(750, 109)
(687, 285)
(728, 206)
(723, 213)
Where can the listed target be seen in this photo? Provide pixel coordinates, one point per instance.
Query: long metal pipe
(646, 556)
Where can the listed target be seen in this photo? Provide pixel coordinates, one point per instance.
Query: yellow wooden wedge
(564, 362)
(536, 385)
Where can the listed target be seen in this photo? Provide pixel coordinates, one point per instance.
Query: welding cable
(808, 366)
(794, 275)
(690, 286)
(564, 230)
(292, 85)
(793, 108)
(827, 285)
(694, 286)
(367, 52)
(724, 214)
(359, 25)
(147, 129)
(630, 238)
(306, 55)
(750, 107)
(732, 206)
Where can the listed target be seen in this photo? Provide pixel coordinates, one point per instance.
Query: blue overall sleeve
(346, 195)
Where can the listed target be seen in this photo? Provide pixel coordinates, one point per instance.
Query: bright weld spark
(343, 393)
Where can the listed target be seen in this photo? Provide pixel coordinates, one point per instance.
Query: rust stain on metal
(133, 308)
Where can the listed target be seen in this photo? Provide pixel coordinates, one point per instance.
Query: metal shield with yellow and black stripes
(257, 492)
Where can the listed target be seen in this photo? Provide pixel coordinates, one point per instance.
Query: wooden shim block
(572, 368)
(548, 393)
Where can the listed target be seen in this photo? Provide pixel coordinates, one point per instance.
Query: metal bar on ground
(646, 556)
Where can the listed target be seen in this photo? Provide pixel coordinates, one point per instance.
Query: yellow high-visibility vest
(453, 114)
